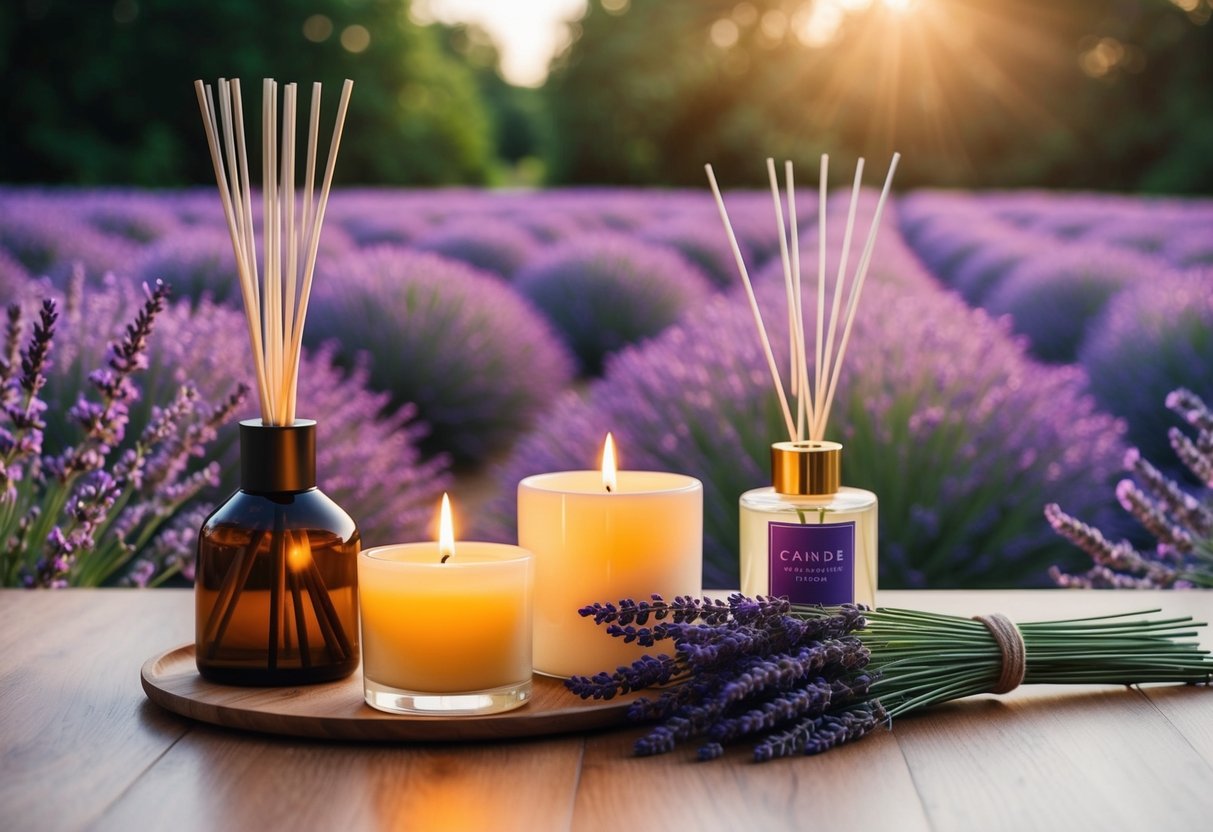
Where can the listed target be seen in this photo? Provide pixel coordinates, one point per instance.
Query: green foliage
(102, 92)
(972, 93)
(517, 115)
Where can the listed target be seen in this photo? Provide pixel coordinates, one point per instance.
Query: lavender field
(1011, 348)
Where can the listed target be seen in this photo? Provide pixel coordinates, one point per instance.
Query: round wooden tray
(336, 711)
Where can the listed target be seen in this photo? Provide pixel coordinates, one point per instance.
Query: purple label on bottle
(813, 564)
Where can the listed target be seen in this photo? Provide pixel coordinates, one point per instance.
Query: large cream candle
(644, 536)
(446, 634)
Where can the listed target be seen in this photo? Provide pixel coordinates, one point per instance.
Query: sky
(527, 32)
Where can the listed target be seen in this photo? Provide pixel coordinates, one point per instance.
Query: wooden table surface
(81, 747)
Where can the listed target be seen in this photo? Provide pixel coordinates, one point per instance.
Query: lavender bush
(548, 226)
(1153, 338)
(197, 263)
(1132, 231)
(477, 360)
(492, 245)
(77, 517)
(12, 276)
(604, 291)
(929, 387)
(981, 273)
(1180, 522)
(699, 240)
(1055, 296)
(47, 242)
(131, 216)
(1190, 248)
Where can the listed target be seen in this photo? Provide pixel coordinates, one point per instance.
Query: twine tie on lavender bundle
(1010, 644)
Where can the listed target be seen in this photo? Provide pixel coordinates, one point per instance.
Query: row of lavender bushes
(472, 315)
(943, 415)
(1121, 286)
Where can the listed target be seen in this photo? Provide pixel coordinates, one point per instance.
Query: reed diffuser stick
(314, 244)
(288, 184)
(749, 290)
(795, 348)
(857, 290)
(822, 240)
(243, 261)
(840, 281)
(276, 295)
(799, 369)
(818, 395)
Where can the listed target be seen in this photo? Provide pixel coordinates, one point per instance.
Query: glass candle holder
(446, 638)
(276, 583)
(591, 545)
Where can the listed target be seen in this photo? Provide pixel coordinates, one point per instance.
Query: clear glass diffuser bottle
(277, 576)
(807, 537)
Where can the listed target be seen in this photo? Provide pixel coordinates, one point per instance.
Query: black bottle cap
(277, 457)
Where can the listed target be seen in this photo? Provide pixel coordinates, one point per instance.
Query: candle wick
(444, 557)
(608, 488)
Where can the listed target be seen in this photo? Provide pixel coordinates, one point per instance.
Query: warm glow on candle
(608, 465)
(446, 530)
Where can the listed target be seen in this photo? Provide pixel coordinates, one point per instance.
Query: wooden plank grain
(1064, 757)
(1190, 712)
(80, 747)
(217, 779)
(75, 730)
(1056, 758)
(865, 785)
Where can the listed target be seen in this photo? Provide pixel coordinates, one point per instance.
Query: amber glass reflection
(276, 590)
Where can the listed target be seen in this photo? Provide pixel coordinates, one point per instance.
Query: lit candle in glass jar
(446, 627)
(604, 536)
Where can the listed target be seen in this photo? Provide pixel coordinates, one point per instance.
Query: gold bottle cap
(806, 468)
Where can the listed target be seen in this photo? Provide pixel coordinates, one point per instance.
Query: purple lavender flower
(816, 735)
(476, 360)
(747, 668)
(602, 292)
(77, 517)
(1180, 523)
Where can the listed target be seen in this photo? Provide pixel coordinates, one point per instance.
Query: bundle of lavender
(802, 680)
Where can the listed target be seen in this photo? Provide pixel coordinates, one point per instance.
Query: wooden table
(81, 747)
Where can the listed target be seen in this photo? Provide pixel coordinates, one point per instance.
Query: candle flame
(609, 481)
(446, 530)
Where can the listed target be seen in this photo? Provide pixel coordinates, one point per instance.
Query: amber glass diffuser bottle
(276, 583)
